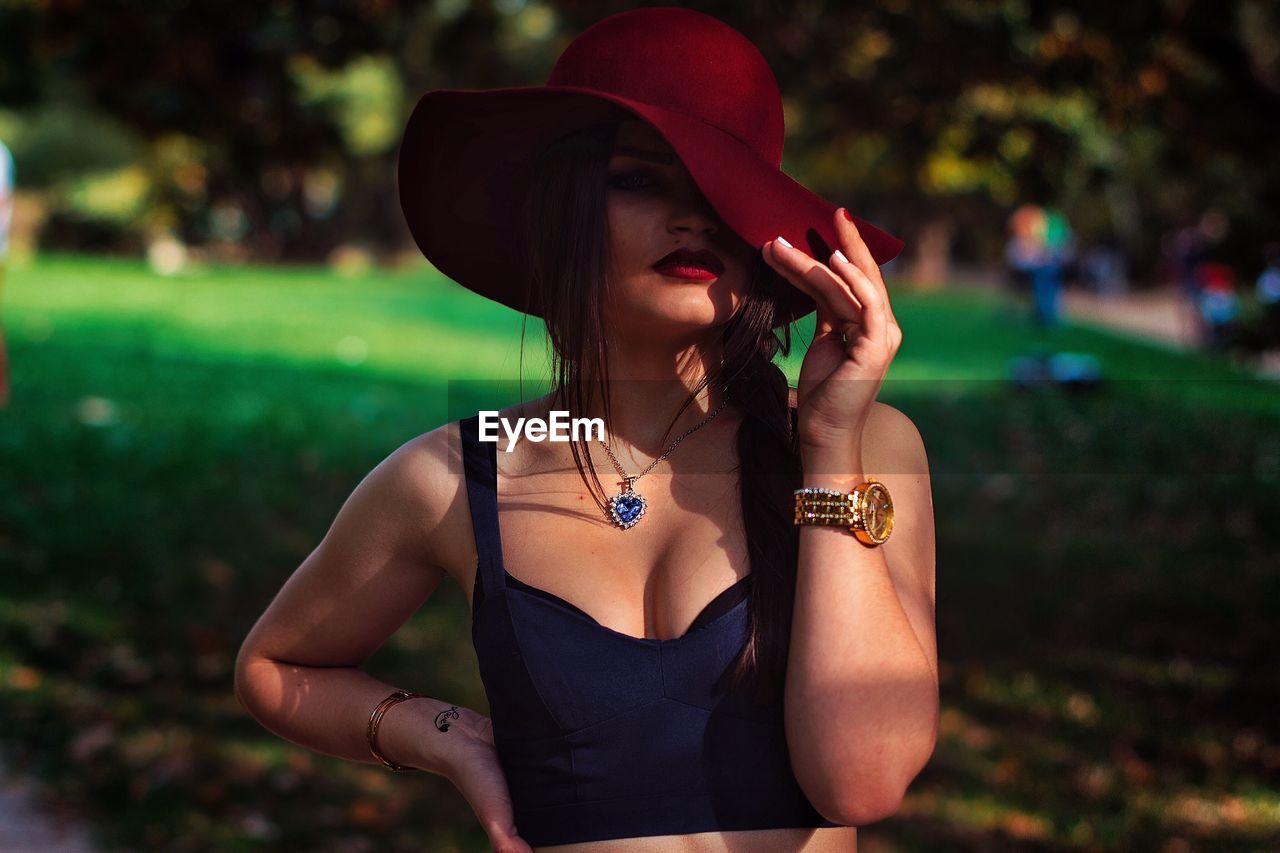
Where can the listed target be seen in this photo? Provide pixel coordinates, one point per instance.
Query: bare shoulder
(888, 435)
(429, 484)
(432, 470)
(891, 442)
(392, 541)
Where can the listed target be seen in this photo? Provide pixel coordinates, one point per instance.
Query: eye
(628, 180)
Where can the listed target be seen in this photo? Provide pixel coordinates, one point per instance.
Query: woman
(639, 654)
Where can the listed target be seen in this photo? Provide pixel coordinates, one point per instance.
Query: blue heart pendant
(627, 508)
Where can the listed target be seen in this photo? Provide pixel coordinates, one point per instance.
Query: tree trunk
(930, 265)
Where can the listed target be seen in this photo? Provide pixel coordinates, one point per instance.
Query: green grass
(175, 447)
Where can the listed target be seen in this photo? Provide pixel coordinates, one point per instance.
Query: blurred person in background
(1267, 291)
(1219, 304)
(1188, 249)
(1105, 270)
(1021, 249)
(6, 217)
(1185, 249)
(1060, 264)
(1040, 245)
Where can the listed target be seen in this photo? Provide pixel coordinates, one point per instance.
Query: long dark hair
(566, 250)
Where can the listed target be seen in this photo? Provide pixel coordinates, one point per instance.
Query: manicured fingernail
(783, 241)
(839, 256)
(846, 213)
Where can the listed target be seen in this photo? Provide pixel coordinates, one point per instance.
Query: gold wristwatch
(866, 511)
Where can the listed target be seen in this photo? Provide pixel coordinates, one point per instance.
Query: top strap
(480, 465)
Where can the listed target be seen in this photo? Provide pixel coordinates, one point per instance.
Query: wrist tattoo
(441, 722)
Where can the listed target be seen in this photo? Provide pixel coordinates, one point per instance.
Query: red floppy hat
(466, 157)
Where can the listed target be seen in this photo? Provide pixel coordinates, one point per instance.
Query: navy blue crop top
(604, 735)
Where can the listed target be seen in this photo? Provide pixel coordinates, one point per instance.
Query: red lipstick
(702, 265)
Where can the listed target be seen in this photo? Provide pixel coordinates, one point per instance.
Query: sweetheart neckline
(570, 607)
(573, 608)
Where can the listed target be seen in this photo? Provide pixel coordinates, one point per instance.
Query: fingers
(504, 840)
(874, 305)
(835, 301)
(510, 844)
(504, 835)
(855, 248)
(826, 324)
(849, 291)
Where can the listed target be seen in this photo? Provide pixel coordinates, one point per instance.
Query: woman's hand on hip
(475, 771)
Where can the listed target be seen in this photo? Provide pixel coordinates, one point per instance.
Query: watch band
(815, 505)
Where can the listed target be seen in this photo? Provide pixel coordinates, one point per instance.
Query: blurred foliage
(363, 100)
(50, 143)
(174, 448)
(1130, 118)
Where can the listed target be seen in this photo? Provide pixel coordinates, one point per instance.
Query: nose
(692, 212)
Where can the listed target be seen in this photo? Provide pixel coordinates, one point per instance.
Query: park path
(28, 825)
(1155, 315)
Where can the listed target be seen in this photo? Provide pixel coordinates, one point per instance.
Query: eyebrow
(644, 154)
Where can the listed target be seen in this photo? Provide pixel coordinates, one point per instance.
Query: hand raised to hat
(855, 339)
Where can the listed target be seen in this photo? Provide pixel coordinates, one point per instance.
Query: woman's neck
(648, 383)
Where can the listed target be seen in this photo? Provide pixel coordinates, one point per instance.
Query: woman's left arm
(862, 671)
(862, 694)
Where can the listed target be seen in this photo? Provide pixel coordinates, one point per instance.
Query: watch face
(878, 511)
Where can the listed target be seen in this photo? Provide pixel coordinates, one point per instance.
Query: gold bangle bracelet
(371, 731)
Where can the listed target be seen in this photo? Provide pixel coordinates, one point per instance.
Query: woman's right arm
(298, 670)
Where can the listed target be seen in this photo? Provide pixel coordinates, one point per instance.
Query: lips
(687, 260)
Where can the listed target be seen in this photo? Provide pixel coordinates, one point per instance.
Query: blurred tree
(933, 118)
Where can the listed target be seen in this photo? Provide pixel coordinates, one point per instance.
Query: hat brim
(475, 149)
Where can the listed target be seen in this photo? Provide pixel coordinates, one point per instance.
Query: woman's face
(654, 208)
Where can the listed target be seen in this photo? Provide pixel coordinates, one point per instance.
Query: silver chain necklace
(627, 507)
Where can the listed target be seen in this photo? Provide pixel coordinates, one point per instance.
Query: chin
(660, 302)
(683, 315)
(703, 304)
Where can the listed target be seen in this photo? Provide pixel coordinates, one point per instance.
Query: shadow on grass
(1106, 585)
